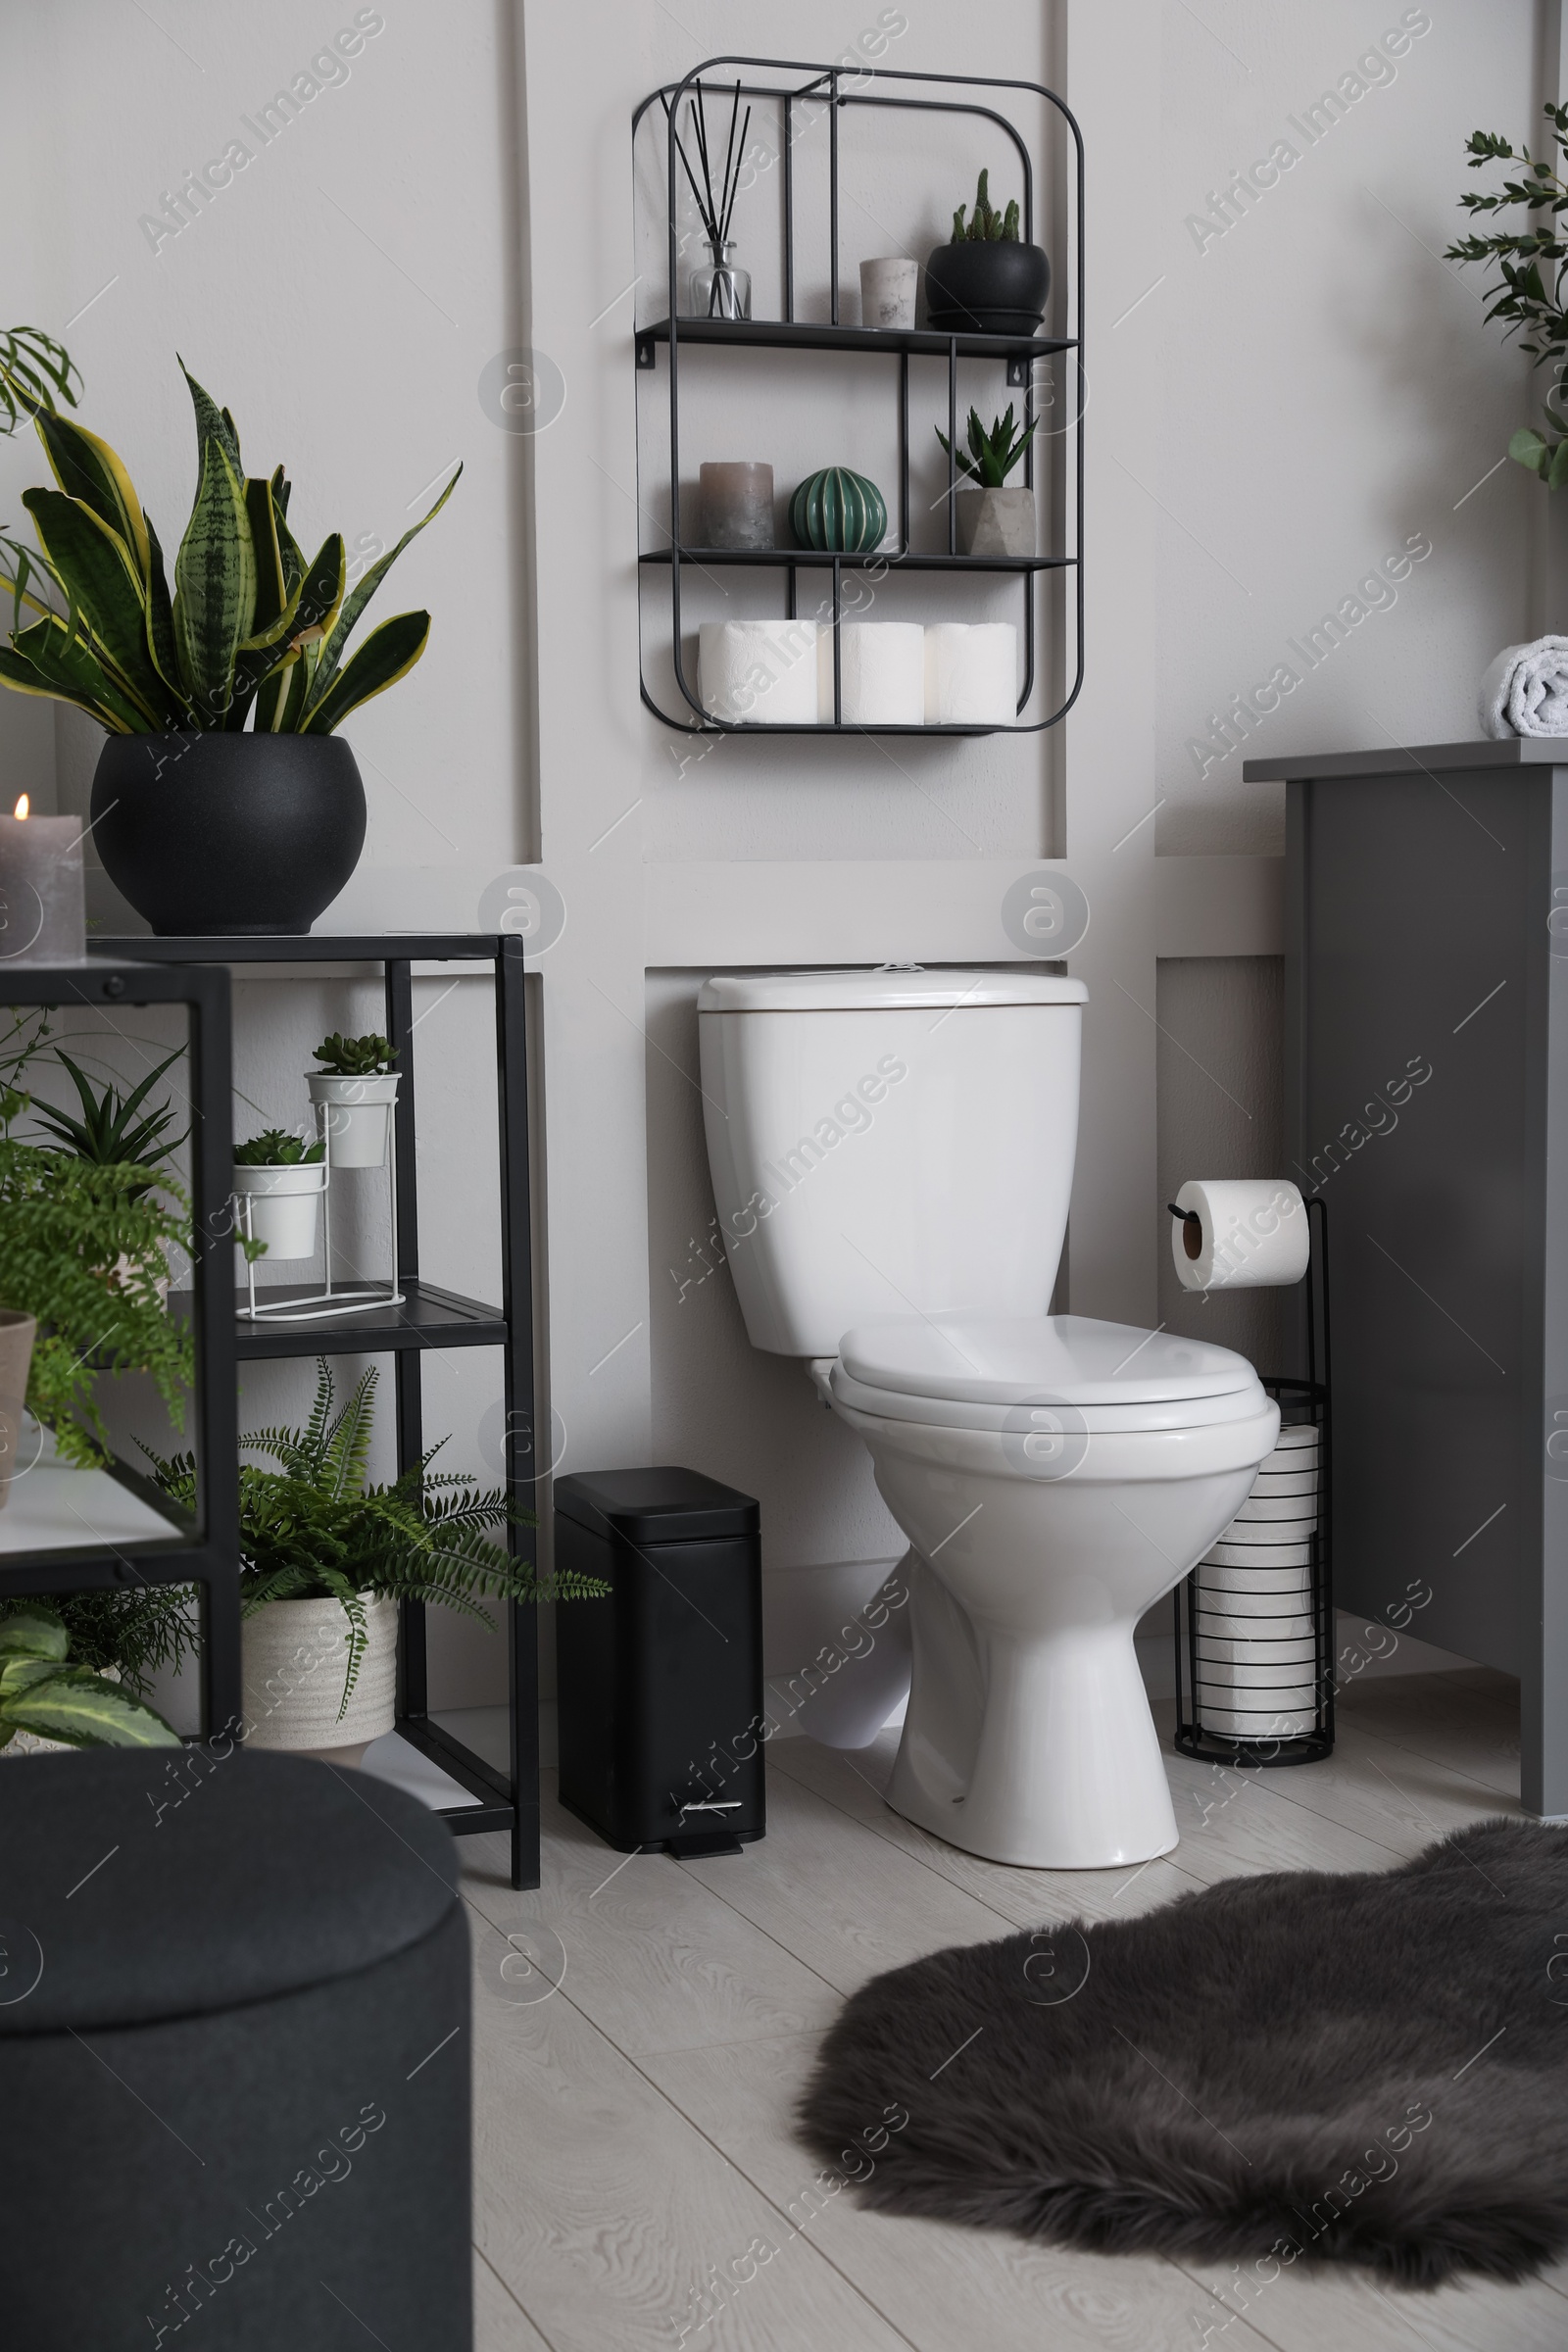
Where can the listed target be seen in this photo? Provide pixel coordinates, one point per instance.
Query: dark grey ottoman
(234, 2059)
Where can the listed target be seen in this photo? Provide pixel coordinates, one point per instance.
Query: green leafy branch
(1531, 302)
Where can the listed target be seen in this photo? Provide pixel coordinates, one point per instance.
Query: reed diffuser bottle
(721, 290)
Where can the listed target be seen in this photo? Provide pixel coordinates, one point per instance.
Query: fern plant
(312, 1528)
(990, 457)
(252, 631)
(43, 1691)
(1531, 262)
(85, 1247)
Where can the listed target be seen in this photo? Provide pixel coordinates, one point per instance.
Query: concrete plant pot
(278, 1206)
(16, 1335)
(996, 522)
(358, 1116)
(295, 1660)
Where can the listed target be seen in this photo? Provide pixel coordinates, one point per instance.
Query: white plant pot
(358, 1116)
(280, 1207)
(296, 1655)
(996, 522)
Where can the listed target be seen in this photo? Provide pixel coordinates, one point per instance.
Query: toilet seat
(951, 1371)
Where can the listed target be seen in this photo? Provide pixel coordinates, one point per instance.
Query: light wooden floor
(633, 2130)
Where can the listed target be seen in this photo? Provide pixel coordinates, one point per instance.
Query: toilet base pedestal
(1033, 1749)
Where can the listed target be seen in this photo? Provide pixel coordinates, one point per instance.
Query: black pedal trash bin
(661, 1684)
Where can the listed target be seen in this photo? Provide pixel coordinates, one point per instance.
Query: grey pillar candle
(737, 504)
(44, 916)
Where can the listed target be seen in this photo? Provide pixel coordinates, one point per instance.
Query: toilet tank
(887, 1143)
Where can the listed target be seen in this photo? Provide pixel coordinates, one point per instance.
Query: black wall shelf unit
(205, 1550)
(428, 1318)
(824, 85)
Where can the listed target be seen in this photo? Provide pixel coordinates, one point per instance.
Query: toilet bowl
(1055, 1476)
(892, 1154)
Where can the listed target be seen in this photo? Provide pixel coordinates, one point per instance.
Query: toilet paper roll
(1250, 1540)
(1248, 1235)
(882, 665)
(971, 674)
(1234, 1582)
(1285, 1483)
(1273, 1511)
(1286, 1686)
(765, 673)
(1259, 1556)
(1270, 1614)
(1301, 1437)
(1221, 1649)
(1278, 1726)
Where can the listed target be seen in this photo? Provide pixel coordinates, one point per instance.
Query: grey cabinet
(1426, 1101)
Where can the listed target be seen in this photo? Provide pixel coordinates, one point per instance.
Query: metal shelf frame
(1018, 353)
(116, 979)
(428, 1317)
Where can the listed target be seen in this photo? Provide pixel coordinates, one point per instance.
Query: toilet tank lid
(895, 988)
(1031, 1359)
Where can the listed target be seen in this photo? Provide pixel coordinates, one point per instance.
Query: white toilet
(892, 1154)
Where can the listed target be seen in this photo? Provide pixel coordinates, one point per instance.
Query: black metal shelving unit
(1019, 354)
(203, 1549)
(430, 1317)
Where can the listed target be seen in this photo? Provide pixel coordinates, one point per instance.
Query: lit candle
(44, 916)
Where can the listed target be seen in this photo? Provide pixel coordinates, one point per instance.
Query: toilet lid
(1026, 1360)
(895, 988)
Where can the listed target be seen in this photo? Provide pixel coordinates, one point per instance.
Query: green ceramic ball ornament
(839, 512)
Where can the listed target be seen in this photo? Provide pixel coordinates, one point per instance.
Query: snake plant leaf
(288, 546)
(33, 1630)
(212, 423)
(271, 591)
(69, 668)
(106, 587)
(87, 468)
(272, 695)
(86, 1711)
(388, 654)
(333, 650)
(215, 591)
(23, 677)
(160, 619)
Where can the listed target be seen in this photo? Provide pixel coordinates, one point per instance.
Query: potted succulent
(326, 1557)
(992, 519)
(987, 281)
(84, 1252)
(357, 1086)
(279, 1180)
(111, 1134)
(49, 1700)
(224, 802)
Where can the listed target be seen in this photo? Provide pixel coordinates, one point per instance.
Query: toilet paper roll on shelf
(971, 674)
(765, 673)
(882, 673)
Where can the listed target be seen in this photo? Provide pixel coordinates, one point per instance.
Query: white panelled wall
(1280, 401)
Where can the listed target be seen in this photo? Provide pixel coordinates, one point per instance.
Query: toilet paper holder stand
(1303, 1403)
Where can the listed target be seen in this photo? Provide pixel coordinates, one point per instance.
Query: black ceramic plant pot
(987, 287)
(228, 833)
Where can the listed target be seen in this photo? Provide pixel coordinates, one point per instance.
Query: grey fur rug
(1299, 2067)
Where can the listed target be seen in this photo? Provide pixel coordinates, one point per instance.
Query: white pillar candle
(44, 916)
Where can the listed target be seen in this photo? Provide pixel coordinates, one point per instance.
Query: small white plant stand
(333, 1299)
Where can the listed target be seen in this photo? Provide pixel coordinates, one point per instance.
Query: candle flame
(23, 806)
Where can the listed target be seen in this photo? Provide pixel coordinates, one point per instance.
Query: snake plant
(43, 1692)
(252, 631)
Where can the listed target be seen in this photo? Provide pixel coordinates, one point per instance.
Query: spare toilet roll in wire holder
(1254, 1620)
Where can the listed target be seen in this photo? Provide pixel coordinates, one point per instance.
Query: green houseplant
(1529, 261)
(326, 1556)
(47, 1697)
(279, 1180)
(993, 520)
(987, 280)
(86, 1244)
(354, 1088)
(35, 371)
(222, 802)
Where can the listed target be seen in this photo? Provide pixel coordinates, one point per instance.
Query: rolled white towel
(1525, 691)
